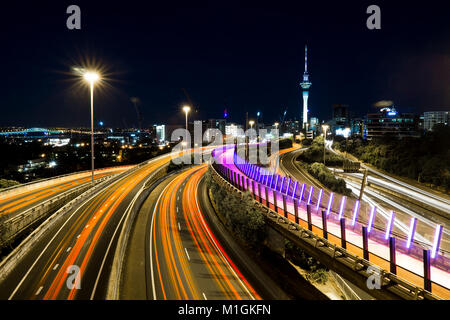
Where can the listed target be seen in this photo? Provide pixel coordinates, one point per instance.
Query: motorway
(174, 254)
(26, 198)
(384, 203)
(84, 240)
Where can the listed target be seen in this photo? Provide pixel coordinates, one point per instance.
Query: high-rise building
(305, 84)
(160, 133)
(389, 122)
(434, 117)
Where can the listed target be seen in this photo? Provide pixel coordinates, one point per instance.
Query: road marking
(87, 226)
(68, 249)
(39, 291)
(96, 193)
(151, 242)
(179, 227)
(177, 209)
(78, 235)
(204, 296)
(218, 250)
(187, 254)
(95, 217)
(178, 198)
(56, 266)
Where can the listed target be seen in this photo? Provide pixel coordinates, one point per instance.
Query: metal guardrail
(14, 225)
(335, 257)
(21, 185)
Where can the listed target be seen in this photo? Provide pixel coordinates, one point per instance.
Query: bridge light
(319, 200)
(412, 230)
(311, 191)
(437, 241)
(330, 203)
(300, 198)
(389, 226)
(371, 218)
(355, 212)
(341, 209)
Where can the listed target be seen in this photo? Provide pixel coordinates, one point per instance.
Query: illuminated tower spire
(306, 84)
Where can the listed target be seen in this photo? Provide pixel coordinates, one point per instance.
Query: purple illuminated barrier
(305, 195)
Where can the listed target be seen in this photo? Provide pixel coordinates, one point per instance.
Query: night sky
(245, 56)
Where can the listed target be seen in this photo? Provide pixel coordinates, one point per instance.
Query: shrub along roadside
(327, 178)
(317, 272)
(425, 159)
(248, 224)
(315, 154)
(5, 183)
(241, 216)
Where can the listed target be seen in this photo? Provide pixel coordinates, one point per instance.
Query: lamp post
(91, 78)
(324, 128)
(186, 110)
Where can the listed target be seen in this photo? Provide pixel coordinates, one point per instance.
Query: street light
(251, 123)
(92, 77)
(324, 128)
(186, 110)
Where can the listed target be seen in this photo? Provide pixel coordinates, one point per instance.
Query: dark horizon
(242, 57)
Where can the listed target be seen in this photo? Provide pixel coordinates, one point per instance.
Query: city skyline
(168, 63)
(228, 151)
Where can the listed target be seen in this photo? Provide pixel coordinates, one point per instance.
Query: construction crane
(283, 117)
(136, 101)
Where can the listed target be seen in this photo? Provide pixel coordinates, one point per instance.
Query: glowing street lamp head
(251, 122)
(186, 109)
(91, 76)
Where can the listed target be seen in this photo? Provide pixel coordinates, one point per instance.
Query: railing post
(308, 214)
(296, 211)
(259, 192)
(324, 225)
(275, 200)
(267, 197)
(392, 255)
(284, 206)
(365, 243)
(343, 238)
(253, 189)
(427, 269)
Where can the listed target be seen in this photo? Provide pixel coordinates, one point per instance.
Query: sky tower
(306, 84)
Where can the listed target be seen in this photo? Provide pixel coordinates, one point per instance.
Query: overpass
(317, 212)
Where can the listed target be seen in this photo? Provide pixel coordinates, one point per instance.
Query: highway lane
(186, 260)
(23, 198)
(384, 203)
(85, 238)
(429, 198)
